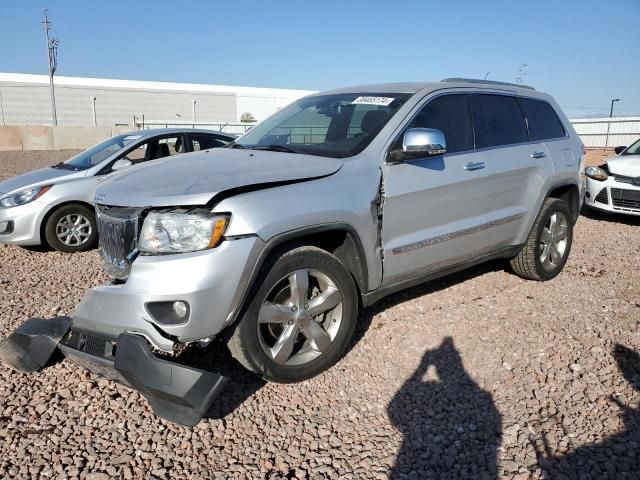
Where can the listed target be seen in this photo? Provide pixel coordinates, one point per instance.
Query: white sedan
(615, 186)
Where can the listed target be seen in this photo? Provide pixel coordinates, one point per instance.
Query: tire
(277, 336)
(72, 228)
(545, 254)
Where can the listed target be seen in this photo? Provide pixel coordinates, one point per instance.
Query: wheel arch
(52, 210)
(339, 239)
(570, 193)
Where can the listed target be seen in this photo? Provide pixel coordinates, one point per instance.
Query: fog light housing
(169, 313)
(181, 309)
(6, 227)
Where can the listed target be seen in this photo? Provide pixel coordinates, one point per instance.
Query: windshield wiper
(60, 165)
(275, 148)
(234, 145)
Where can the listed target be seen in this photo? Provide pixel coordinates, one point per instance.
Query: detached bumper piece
(176, 392)
(30, 347)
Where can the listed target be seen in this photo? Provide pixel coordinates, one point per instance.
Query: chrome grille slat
(118, 233)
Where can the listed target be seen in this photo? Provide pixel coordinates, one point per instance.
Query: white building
(25, 100)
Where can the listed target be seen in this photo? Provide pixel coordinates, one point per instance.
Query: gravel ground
(478, 375)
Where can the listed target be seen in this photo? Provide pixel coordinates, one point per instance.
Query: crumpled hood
(627, 165)
(195, 178)
(37, 177)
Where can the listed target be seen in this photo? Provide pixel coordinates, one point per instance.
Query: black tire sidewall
(550, 209)
(247, 328)
(54, 218)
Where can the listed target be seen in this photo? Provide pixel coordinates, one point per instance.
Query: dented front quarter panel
(349, 196)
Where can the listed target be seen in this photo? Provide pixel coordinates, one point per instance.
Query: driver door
(435, 208)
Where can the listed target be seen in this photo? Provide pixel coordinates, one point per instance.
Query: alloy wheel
(74, 230)
(300, 317)
(553, 241)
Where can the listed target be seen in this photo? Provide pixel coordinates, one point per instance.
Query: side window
(204, 142)
(542, 119)
(498, 120)
(451, 115)
(137, 154)
(163, 147)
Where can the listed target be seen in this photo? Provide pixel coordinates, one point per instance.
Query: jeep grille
(118, 231)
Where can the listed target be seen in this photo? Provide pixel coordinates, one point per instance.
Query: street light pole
(93, 110)
(52, 53)
(606, 142)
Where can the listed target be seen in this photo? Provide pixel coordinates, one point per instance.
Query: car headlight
(174, 232)
(596, 173)
(23, 196)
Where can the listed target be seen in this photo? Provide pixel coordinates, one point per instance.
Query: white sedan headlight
(596, 173)
(174, 232)
(23, 196)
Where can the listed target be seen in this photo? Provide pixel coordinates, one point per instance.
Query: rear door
(516, 166)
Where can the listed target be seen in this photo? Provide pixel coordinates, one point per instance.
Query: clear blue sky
(584, 52)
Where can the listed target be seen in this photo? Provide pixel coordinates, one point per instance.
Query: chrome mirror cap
(423, 141)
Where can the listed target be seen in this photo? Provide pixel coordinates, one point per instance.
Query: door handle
(538, 155)
(474, 166)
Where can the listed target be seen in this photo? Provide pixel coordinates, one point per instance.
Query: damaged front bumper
(177, 392)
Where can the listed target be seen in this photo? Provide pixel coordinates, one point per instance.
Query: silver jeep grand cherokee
(339, 199)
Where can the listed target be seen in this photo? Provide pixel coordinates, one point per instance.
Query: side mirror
(619, 150)
(120, 164)
(420, 142)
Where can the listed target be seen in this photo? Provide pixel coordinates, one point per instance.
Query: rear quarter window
(542, 120)
(497, 120)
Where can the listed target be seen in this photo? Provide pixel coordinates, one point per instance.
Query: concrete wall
(38, 137)
(593, 131)
(25, 100)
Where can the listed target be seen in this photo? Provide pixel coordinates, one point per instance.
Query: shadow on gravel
(617, 456)
(610, 217)
(451, 426)
(241, 385)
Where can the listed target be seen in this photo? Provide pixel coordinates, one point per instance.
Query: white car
(54, 205)
(615, 186)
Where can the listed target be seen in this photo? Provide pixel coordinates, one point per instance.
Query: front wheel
(72, 228)
(549, 243)
(300, 318)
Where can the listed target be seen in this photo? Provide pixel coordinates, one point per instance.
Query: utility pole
(52, 53)
(606, 142)
(522, 72)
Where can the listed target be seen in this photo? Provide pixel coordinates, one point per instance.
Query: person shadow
(450, 425)
(617, 456)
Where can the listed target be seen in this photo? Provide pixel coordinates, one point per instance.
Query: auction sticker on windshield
(382, 101)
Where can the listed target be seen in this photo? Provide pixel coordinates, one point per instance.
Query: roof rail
(486, 82)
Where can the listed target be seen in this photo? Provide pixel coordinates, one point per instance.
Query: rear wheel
(72, 228)
(549, 243)
(300, 319)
